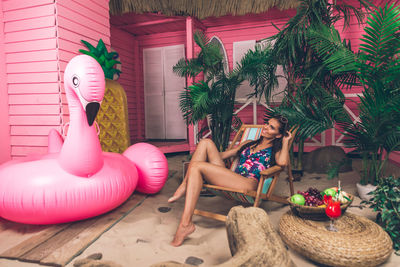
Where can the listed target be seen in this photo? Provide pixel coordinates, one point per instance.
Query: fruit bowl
(315, 213)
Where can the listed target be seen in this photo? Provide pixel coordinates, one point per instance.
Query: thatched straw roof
(198, 8)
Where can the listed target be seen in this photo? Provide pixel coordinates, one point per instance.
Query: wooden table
(358, 242)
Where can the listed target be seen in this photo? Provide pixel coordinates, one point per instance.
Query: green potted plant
(213, 97)
(114, 128)
(386, 201)
(313, 98)
(376, 68)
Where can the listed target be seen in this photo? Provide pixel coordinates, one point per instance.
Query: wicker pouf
(358, 242)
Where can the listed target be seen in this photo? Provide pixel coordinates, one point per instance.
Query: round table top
(358, 241)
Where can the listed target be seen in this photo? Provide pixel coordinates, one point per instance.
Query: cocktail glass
(333, 211)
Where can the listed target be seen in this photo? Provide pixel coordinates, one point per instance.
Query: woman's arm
(233, 151)
(282, 156)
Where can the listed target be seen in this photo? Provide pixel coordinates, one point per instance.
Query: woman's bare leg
(206, 151)
(214, 174)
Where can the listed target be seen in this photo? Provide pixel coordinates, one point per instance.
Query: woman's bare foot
(178, 193)
(181, 233)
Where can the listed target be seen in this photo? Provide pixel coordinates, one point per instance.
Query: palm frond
(258, 66)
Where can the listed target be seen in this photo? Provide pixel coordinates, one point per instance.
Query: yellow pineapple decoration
(113, 114)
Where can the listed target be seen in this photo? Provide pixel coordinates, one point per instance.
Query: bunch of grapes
(313, 197)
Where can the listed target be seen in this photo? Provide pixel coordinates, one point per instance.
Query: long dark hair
(276, 143)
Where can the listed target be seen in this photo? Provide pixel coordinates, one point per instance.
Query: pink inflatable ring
(76, 180)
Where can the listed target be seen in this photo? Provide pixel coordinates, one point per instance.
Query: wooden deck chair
(266, 183)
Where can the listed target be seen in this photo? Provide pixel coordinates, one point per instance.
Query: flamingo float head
(84, 77)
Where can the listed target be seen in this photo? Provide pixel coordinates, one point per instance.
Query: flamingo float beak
(92, 109)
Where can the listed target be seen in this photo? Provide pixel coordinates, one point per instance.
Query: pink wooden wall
(127, 47)
(4, 126)
(40, 37)
(32, 78)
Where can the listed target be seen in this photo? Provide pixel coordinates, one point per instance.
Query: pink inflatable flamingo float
(76, 180)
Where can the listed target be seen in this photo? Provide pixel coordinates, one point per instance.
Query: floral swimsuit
(250, 164)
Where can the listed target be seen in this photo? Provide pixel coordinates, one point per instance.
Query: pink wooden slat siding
(28, 35)
(32, 78)
(29, 24)
(28, 140)
(5, 145)
(13, 5)
(22, 151)
(87, 9)
(75, 21)
(31, 56)
(32, 130)
(34, 120)
(79, 20)
(35, 109)
(33, 87)
(44, 66)
(33, 99)
(29, 12)
(122, 42)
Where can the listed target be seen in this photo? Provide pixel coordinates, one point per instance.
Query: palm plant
(313, 98)
(377, 69)
(214, 96)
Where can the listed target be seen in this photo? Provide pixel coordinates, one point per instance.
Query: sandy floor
(142, 237)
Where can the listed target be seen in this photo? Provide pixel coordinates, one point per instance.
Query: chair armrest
(271, 170)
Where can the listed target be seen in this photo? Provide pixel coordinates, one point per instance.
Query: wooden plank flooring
(57, 245)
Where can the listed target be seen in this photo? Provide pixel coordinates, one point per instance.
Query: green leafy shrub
(386, 200)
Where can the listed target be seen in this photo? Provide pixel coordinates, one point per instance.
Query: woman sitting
(272, 148)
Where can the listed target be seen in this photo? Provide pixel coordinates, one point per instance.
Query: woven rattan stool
(359, 241)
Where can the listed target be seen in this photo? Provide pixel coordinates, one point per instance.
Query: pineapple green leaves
(106, 59)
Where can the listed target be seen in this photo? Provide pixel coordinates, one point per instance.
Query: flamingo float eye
(75, 81)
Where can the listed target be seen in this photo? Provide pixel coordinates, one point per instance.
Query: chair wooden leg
(210, 215)
(291, 178)
(278, 199)
(259, 189)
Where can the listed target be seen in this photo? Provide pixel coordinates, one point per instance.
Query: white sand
(142, 237)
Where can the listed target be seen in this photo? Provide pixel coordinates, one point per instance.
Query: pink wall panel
(13, 5)
(31, 56)
(33, 87)
(31, 68)
(29, 24)
(31, 130)
(22, 151)
(33, 99)
(51, 109)
(29, 12)
(34, 34)
(98, 13)
(5, 151)
(43, 66)
(124, 44)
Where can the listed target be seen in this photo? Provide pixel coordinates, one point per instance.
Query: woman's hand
(287, 137)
